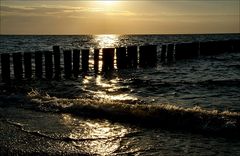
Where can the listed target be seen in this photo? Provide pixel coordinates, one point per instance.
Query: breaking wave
(161, 115)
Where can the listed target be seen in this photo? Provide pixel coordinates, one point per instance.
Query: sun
(108, 2)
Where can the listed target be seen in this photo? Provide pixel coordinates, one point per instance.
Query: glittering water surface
(54, 112)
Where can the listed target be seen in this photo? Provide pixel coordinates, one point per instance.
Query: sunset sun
(108, 2)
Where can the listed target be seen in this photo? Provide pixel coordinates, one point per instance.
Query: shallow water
(105, 114)
(35, 132)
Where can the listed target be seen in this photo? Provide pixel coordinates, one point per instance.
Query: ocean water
(187, 107)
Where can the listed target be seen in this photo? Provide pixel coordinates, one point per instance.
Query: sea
(185, 107)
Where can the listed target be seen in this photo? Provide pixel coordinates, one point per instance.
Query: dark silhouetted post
(5, 63)
(85, 60)
(38, 64)
(17, 65)
(152, 55)
(28, 65)
(67, 63)
(143, 56)
(121, 58)
(209, 48)
(132, 53)
(57, 68)
(48, 65)
(235, 45)
(170, 49)
(108, 59)
(186, 50)
(163, 53)
(148, 56)
(76, 62)
(96, 60)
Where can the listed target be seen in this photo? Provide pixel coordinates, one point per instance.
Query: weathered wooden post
(208, 48)
(17, 66)
(96, 60)
(38, 64)
(67, 63)
(194, 50)
(236, 45)
(108, 59)
(152, 55)
(5, 63)
(48, 65)
(57, 67)
(163, 53)
(186, 50)
(148, 56)
(85, 60)
(170, 50)
(132, 55)
(28, 65)
(76, 62)
(121, 57)
(143, 56)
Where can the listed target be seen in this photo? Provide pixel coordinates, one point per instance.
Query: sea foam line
(163, 115)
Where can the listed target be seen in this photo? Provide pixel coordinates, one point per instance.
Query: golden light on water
(96, 137)
(111, 90)
(105, 41)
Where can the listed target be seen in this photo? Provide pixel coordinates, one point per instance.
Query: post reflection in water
(95, 136)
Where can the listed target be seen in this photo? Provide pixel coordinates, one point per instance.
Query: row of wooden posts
(126, 57)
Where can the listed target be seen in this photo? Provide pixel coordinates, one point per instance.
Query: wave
(162, 115)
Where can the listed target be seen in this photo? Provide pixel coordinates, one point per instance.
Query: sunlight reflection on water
(95, 137)
(106, 40)
(111, 90)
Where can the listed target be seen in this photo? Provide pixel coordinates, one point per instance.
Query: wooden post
(96, 60)
(57, 67)
(152, 55)
(143, 56)
(170, 50)
(121, 57)
(5, 63)
(208, 48)
(132, 52)
(38, 64)
(17, 65)
(236, 45)
(108, 59)
(85, 60)
(163, 53)
(48, 65)
(76, 62)
(148, 56)
(28, 65)
(67, 63)
(186, 50)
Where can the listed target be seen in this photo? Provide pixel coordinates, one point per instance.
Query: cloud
(64, 11)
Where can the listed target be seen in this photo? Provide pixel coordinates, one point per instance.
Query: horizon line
(22, 34)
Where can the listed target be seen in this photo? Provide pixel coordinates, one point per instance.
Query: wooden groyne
(47, 64)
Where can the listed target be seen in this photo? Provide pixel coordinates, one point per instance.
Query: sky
(119, 17)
